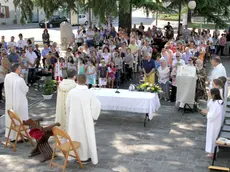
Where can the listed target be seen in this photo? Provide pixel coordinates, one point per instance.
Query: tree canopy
(216, 11)
(49, 7)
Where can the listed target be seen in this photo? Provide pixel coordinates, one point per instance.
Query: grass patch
(203, 26)
(169, 17)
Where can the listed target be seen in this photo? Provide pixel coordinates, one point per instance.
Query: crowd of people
(105, 55)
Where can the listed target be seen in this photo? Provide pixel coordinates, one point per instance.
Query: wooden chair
(65, 148)
(41, 135)
(17, 126)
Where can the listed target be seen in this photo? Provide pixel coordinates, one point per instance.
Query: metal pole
(156, 18)
(178, 34)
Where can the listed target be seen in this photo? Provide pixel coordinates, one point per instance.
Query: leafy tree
(26, 7)
(122, 8)
(49, 7)
(216, 11)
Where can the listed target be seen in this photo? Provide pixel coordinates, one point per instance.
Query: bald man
(83, 108)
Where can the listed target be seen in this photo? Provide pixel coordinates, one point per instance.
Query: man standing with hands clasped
(15, 93)
(149, 69)
(32, 58)
(83, 108)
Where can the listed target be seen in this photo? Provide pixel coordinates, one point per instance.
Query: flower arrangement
(146, 87)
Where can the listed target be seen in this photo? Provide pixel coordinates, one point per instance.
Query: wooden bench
(213, 167)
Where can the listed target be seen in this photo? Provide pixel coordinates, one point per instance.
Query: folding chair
(65, 148)
(17, 126)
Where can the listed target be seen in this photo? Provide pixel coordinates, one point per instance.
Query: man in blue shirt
(149, 69)
(45, 52)
(13, 57)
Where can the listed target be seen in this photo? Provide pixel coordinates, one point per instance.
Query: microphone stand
(118, 82)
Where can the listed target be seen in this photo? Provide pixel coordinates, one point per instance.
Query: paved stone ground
(170, 142)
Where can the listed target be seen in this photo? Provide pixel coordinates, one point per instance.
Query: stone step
(225, 134)
(228, 109)
(226, 128)
(228, 104)
(227, 122)
(227, 115)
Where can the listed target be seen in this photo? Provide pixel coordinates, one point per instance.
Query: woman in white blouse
(106, 55)
(164, 73)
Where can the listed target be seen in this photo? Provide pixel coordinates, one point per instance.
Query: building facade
(9, 14)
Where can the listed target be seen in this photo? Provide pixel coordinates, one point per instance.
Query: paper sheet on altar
(186, 84)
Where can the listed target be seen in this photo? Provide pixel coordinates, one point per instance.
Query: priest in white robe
(214, 120)
(83, 108)
(219, 71)
(15, 94)
(64, 87)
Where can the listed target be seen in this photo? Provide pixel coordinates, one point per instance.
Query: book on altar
(186, 71)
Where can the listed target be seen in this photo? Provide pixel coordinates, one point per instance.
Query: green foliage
(49, 7)
(214, 10)
(49, 87)
(104, 8)
(26, 7)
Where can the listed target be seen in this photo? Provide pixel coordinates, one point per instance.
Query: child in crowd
(91, 74)
(111, 75)
(102, 74)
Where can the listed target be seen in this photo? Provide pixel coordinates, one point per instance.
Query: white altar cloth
(128, 101)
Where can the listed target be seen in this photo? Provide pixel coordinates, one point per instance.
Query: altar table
(128, 101)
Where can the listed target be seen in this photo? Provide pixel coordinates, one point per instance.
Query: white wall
(11, 12)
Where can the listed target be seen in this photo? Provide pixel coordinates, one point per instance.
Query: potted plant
(49, 89)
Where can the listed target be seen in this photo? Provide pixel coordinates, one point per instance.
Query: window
(4, 12)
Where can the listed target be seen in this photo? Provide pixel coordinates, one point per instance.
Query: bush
(49, 87)
(15, 21)
(3, 23)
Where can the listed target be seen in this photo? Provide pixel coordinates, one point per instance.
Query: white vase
(47, 97)
(2, 124)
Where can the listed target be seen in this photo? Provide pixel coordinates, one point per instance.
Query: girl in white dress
(217, 83)
(214, 120)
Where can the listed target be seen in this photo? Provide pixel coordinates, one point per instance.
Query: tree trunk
(125, 19)
(179, 20)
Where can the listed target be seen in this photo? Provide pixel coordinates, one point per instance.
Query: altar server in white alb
(83, 108)
(15, 93)
(214, 120)
(64, 87)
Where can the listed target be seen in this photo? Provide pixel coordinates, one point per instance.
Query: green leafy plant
(49, 87)
(3, 23)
